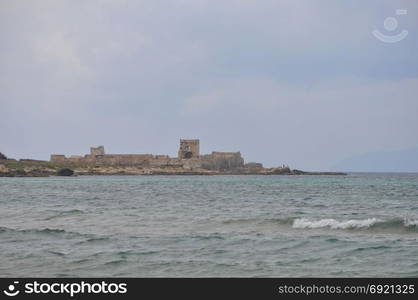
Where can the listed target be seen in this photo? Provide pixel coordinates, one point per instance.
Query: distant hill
(390, 161)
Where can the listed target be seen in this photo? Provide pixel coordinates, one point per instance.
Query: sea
(359, 225)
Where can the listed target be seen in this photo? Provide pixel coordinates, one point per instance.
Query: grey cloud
(297, 82)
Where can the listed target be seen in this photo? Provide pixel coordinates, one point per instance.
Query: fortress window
(188, 155)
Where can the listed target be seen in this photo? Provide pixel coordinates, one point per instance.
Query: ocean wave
(364, 224)
(65, 213)
(283, 221)
(214, 236)
(411, 222)
(45, 232)
(333, 224)
(240, 221)
(372, 223)
(94, 240)
(124, 254)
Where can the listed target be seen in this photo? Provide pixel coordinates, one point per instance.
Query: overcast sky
(303, 82)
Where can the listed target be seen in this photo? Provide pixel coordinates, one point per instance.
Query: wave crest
(333, 224)
(370, 223)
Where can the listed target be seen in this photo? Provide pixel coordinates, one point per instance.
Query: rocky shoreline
(36, 168)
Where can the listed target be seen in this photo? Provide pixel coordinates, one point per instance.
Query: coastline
(37, 168)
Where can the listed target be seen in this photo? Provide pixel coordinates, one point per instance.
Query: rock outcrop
(65, 172)
(3, 169)
(19, 172)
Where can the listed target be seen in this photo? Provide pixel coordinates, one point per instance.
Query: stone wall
(223, 161)
(58, 158)
(189, 159)
(125, 160)
(216, 161)
(253, 166)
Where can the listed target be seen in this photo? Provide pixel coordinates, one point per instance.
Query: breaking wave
(373, 224)
(370, 223)
(333, 224)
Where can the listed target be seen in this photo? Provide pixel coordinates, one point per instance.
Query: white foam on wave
(409, 222)
(334, 224)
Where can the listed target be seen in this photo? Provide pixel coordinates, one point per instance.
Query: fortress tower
(97, 150)
(189, 149)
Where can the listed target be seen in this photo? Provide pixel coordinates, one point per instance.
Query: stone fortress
(189, 161)
(189, 158)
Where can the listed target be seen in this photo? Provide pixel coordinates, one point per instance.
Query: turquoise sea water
(199, 226)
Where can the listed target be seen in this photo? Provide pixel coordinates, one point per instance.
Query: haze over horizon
(299, 83)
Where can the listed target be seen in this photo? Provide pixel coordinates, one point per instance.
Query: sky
(303, 83)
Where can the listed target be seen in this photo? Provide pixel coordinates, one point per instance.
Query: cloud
(302, 124)
(54, 48)
(297, 82)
